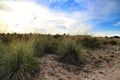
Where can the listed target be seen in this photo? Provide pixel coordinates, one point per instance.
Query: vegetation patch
(71, 52)
(18, 62)
(45, 46)
(91, 43)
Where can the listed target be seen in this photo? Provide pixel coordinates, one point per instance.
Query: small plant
(18, 62)
(71, 52)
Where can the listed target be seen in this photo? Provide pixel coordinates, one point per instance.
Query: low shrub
(50, 46)
(113, 42)
(45, 46)
(109, 41)
(38, 47)
(91, 43)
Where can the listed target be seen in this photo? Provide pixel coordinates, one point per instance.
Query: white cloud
(100, 9)
(46, 19)
(117, 24)
(20, 19)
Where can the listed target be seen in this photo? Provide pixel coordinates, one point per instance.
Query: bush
(6, 39)
(91, 43)
(18, 62)
(45, 45)
(71, 52)
(113, 42)
(50, 46)
(109, 41)
(38, 47)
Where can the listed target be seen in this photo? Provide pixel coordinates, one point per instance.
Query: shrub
(71, 52)
(38, 47)
(109, 41)
(45, 45)
(51, 46)
(91, 43)
(18, 62)
(113, 42)
(5, 39)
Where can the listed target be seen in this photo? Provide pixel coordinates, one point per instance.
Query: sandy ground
(103, 65)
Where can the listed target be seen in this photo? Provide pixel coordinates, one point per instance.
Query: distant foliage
(5, 39)
(91, 43)
(113, 42)
(110, 41)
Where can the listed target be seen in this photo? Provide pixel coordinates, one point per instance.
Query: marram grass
(18, 61)
(71, 52)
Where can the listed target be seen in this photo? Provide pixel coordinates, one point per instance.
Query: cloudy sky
(95, 17)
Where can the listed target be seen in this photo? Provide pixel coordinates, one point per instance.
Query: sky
(94, 17)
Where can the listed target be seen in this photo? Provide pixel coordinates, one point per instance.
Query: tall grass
(18, 61)
(45, 45)
(71, 52)
(91, 43)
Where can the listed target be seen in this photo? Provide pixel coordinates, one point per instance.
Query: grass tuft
(18, 62)
(72, 53)
(45, 46)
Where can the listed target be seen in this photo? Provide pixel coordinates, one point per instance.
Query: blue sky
(99, 17)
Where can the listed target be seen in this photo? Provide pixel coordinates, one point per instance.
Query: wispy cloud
(117, 24)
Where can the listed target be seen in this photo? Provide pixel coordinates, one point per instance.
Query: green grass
(18, 52)
(91, 43)
(45, 46)
(71, 52)
(18, 61)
